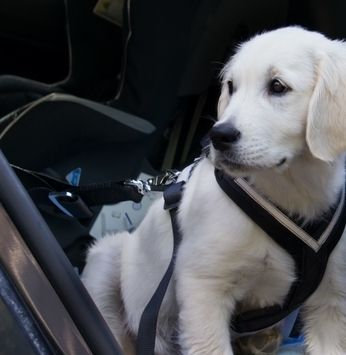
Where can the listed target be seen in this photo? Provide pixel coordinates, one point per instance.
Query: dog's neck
(307, 188)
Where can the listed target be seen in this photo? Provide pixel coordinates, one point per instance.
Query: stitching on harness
(278, 215)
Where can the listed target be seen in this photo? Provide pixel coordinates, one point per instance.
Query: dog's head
(283, 92)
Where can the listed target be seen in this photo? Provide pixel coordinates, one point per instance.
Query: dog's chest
(220, 241)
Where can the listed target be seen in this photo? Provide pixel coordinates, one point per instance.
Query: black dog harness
(310, 247)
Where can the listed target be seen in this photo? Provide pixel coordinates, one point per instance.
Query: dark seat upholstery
(95, 49)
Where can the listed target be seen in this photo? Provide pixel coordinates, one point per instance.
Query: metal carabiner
(160, 182)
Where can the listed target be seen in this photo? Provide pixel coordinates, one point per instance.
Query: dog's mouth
(281, 162)
(237, 168)
(234, 168)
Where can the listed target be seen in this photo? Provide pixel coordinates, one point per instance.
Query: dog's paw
(265, 342)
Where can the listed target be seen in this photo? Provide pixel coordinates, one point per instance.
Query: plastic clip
(72, 205)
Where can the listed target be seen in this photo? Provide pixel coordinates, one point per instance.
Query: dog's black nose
(223, 136)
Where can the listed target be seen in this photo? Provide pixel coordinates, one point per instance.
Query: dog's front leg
(325, 310)
(205, 309)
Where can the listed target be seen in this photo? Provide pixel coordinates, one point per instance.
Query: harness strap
(148, 323)
(310, 254)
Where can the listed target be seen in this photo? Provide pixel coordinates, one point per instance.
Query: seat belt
(75, 201)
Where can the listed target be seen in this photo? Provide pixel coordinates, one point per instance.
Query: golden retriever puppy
(282, 126)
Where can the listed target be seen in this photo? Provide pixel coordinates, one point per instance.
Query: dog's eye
(230, 86)
(277, 87)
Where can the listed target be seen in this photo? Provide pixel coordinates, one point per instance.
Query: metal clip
(160, 182)
(142, 187)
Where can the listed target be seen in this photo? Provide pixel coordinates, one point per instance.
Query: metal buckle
(81, 210)
(141, 186)
(157, 183)
(160, 182)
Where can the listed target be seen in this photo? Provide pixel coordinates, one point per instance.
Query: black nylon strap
(148, 323)
(40, 185)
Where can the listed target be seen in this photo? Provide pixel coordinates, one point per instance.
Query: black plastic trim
(54, 263)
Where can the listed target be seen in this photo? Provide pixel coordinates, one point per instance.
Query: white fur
(225, 262)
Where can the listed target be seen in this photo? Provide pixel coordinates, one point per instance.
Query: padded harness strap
(309, 253)
(148, 323)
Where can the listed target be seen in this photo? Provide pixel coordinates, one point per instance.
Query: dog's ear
(223, 101)
(326, 124)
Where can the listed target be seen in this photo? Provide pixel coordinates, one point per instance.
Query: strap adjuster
(172, 195)
(72, 205)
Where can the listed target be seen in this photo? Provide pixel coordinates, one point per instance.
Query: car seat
(172, 52)
(95, 49)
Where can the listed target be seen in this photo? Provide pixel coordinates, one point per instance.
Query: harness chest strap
(309, 252)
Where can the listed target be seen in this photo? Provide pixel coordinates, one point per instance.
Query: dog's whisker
(211, 118)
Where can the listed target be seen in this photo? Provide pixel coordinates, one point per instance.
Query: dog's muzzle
(224, 136)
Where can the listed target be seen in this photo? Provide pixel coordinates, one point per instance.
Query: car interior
(81, 94)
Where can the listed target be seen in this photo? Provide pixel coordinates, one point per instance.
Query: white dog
(282, 124)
